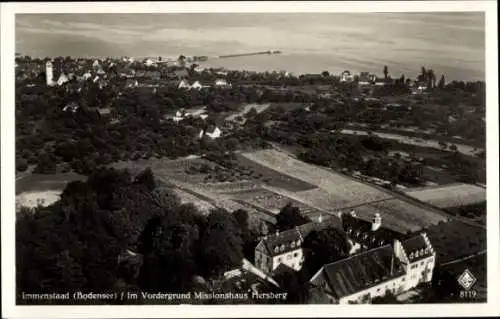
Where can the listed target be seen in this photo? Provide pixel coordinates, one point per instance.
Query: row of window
(422, 263)
(292, 244)
(289, 256)
(420, 252)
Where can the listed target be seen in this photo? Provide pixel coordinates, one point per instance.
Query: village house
(394, 268)
(346, 76)
(211, 131)
(183, 84)
(364, 79)
(286, 247)
(222, 83)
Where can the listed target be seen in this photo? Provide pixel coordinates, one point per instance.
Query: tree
(221, 247)
(147, 179)
(290, 217)
(386, 72)
(325, 246)
(441, 83)
(325, 74)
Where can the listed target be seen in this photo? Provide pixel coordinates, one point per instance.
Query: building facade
(390, 268)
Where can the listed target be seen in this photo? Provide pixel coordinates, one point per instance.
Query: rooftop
(362, 271)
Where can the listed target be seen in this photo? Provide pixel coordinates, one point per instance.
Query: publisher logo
(466, 280)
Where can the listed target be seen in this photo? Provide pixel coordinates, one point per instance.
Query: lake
(450, 43)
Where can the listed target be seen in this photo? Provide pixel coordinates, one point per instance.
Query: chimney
(377, 222)
(352, 213)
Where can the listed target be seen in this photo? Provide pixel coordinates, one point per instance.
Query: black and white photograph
(217, 158)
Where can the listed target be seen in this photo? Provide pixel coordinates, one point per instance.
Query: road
(482, 252)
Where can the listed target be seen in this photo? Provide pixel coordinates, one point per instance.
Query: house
(100, 71)
(364, 79)
(96, 64)
(127, 73)
(346, 76)
(395, 268)
(184, 85)
(211, 131)
(62, 79)
(149, 62)
(131, 83)
(222, 83)
(196, 85)
(71, 107)
(87, 75)
(180, 115)
(285, 247)
(367, 234)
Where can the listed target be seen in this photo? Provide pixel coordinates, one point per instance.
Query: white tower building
(49, 73)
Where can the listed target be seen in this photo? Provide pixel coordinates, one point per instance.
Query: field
(400, 215)
(454, 239)
(343, 188)
(452, 195)
(272, 176)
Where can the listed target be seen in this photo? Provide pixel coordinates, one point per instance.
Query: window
(295, 254)
(282, 248)
(411, 255)
(279, 260)
(421, 263)
(276, 249)
(431, 260)
(403, 279)
(289, 256)
(378, 289)
(292, 244)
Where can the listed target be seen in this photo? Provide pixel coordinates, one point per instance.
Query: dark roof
(291, 239)
(362, 271)
(360, 231)
(281, 243)
(417, 248)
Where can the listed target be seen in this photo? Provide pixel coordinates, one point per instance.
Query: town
(159, 175)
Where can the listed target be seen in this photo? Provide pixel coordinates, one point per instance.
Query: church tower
(49, 73)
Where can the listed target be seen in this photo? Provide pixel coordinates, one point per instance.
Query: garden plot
(448, 196)
(343, 188)
(232, 187)
(399, 215)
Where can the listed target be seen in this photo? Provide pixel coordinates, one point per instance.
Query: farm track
(482, 252)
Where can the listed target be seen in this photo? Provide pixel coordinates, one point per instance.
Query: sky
(450, 43)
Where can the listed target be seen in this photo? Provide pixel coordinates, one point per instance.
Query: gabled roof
(417, 247)
(361, 231)
(291, 239)
(359, 272)
(280, 243)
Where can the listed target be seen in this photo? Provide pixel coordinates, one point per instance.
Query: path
(482, 252)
